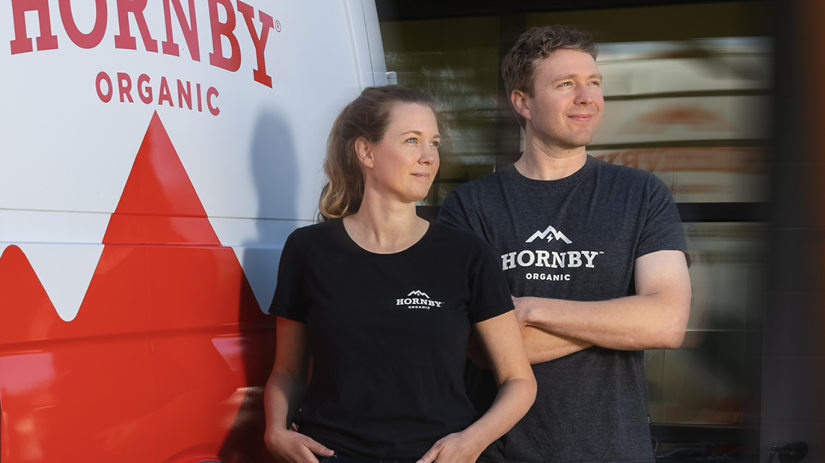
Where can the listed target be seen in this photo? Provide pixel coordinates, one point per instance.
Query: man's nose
(587, 94)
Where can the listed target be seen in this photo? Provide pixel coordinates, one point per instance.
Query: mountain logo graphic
(549, 233)
(418, 293)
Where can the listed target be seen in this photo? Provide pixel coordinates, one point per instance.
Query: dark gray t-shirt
(576, 238)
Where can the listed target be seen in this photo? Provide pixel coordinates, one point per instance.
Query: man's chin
(576, 143)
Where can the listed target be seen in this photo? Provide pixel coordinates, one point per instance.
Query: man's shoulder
(481, 186)
(625, 173)
(457, 238)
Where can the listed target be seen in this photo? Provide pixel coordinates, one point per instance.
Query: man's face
(567, 104)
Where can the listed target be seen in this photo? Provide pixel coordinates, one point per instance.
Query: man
(594, 254)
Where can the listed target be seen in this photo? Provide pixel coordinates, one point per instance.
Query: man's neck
(544, 162)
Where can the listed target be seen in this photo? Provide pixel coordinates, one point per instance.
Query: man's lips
(581, 117)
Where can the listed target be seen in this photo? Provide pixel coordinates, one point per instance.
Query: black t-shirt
(576, 238)
(388, 335)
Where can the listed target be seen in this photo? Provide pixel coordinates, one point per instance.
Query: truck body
(154, 156)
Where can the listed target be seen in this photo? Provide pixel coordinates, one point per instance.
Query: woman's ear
(363, 149)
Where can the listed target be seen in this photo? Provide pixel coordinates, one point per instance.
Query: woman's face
(405, 161)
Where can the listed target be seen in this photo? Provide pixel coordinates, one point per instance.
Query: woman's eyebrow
(419, 133)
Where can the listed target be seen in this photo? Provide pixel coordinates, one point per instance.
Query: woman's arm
(542, 346)
(502, 343)
(284, 393)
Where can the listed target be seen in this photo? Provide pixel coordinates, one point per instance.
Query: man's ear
(363, 149)
(520, 103)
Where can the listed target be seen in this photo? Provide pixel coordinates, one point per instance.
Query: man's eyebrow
(570, 76)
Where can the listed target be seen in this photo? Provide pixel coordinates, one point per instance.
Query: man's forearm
(543, 346)
(629, 323)
(655, 318)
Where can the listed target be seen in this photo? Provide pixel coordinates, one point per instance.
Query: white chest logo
(421, 301)
(549, 233)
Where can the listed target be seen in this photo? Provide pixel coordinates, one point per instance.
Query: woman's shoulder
(314, 232)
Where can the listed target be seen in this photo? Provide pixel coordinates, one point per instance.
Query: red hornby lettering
(164, 93)
(223, 32)
(93, 38)
(104, 96)
(144, 90)
(22, 43)
(190, 29)
(209, 94)
(125, 39)
(200, 107)
(124, 86)
(105, 91)
(260, 42)
(219, 29)
(184, 94)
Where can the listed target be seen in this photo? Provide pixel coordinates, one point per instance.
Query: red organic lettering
(103, 77)
(164, 93)
(189, 29)
(144, 90)
(125, 40)
(184, 94)
(212, 108)
(200, 106)
(248, 13)
(124, 84)
(219, 29)
(93, 38)
(22, 43)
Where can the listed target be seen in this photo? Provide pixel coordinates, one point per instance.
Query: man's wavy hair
(519, 65)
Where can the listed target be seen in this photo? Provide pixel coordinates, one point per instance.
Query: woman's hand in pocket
(453, 448)
(292, 447)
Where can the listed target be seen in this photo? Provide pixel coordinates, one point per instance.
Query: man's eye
(410, 140)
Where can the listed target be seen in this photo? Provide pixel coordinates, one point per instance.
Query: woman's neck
(385, 228)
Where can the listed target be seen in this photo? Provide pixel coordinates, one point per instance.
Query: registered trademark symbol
(278, 26)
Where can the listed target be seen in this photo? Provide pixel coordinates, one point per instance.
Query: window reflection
(706, 380)
(691, 112)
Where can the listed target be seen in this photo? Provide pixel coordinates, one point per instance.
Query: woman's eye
(434, 143)
(410, 140)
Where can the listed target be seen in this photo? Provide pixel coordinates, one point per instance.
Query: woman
(384, 302)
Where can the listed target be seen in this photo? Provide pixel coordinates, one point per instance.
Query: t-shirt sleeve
(290, 298)
(663, 226)
(453, 213)
(489, 290)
